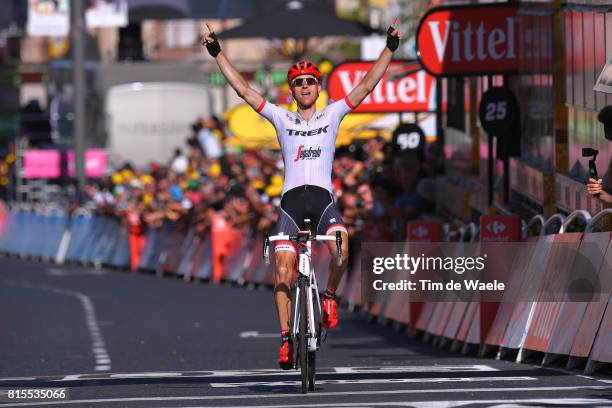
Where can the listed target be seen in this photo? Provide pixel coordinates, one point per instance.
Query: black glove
(213, 48)
(392, 40)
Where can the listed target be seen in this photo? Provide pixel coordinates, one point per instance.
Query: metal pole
(78, 72)
(507, 157)
(439, 129)
(490, 163)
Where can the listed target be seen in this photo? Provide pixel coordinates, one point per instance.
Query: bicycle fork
(305, 272)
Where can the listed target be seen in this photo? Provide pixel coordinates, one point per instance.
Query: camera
(590, 152)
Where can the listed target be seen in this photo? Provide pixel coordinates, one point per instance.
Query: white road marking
(569, 372)
(414, 369)
(258, 335)
(261, 372)
(62, 272)
(514, 403)
(371, 381)
(321, 394)
(97, 341)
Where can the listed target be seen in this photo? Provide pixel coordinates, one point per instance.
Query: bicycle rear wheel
(303, 335)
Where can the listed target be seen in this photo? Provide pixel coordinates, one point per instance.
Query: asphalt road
(118, 339)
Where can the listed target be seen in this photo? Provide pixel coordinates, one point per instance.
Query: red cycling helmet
(303, 68)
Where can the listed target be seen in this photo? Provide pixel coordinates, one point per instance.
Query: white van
(146, 121)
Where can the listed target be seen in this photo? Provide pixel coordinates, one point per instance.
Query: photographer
(599, 187)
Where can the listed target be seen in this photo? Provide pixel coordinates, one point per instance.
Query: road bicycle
(306, 319)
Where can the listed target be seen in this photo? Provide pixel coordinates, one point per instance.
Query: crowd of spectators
(378, 189)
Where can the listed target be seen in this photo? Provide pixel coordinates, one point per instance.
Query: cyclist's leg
(284, 262)
(336, 272)
(285, 265)
(330, 223)
(284, 255)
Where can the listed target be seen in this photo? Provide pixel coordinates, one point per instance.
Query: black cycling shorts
(312, 202)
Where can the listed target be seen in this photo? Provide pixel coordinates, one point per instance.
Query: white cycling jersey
(307, 146)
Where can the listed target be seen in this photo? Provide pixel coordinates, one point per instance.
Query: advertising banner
(469, 40)
(47, 163)
(41, 164)
(48, 18)
(405, 87)
(107, 13)
(500, 228)
(95, 163)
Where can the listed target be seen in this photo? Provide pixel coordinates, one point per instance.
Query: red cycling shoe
(285, 354)
(330, 311)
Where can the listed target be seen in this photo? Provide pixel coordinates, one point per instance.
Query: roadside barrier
(574, 333)
(555, 276)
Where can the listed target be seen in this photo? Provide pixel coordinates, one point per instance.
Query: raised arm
(231, 74)
(376, 72)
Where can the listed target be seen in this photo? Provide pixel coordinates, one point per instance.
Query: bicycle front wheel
(303, 335)
(311, 370)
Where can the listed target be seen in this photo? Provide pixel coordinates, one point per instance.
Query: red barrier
(493, 228)
(2, 217)
(454, 321)
(556, 275)
(520, 319)
(425, 316)
(602, 351)
(500, 228)
(466, 324)
(222, 237)
(410, 312)
(495, 336)
(440, 317)
(573, 324)
(136, 238)
(424, 231)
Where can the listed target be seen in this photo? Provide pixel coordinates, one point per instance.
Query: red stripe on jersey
(261, 106)
(348, 102)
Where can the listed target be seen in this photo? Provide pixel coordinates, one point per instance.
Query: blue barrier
(185, 267)
(148, 254)
(79, 229)
(91, 241)
(120, 256)
(54, 233)
(174, 249)
(201, 267)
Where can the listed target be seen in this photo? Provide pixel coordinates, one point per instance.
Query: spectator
(209, 138)
(179, 162)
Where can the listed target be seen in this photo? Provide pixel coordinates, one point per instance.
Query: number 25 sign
(498, 111)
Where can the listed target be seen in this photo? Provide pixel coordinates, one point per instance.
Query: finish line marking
(255, 373)
(332, 394)
(415, 369)
(103, 361)
(372, 381)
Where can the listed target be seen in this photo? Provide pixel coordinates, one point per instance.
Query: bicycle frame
(306, 271)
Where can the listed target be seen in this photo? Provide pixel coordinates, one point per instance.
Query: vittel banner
(406, 87)
(469, 40)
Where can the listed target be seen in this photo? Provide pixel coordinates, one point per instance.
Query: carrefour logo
(307, 154)
(496, 227)
(420, 232)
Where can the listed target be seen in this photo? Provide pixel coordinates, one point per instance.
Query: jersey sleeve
(270, 111)
(338, 111)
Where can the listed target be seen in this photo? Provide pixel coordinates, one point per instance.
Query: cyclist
(307, 139)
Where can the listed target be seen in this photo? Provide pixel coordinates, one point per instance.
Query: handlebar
(302, 236)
